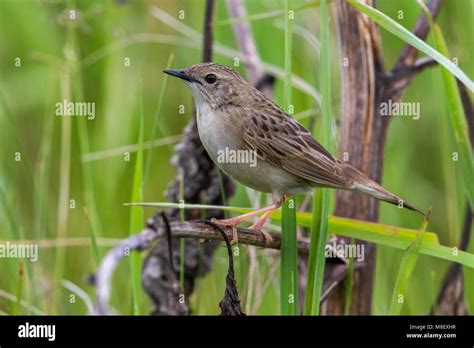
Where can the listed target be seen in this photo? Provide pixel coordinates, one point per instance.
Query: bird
(234, 117)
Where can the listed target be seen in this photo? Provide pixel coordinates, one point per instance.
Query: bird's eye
(211, 78)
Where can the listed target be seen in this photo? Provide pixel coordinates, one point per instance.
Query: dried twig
(208, 31)
(103, 276)
(201, 230)
(245, 41)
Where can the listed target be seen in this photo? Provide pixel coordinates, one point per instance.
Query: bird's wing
(281, 140)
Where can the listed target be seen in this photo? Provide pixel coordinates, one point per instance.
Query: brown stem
(365, 87)
(201, 230)
(451, 297)
(208, 31)
(409, 53)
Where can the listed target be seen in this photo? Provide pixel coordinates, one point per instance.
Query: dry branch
(202, 232)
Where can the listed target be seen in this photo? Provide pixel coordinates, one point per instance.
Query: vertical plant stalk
(41, 180)
(208, 31)
(87, 176)
(405, 270)
(90, 210)
(451, 298)
(64, 162)
(182, 246)
(137, 215)
(365, 86)
(362, 137)
(254, 67)
(457, 293)
(156, 121)
(19, 289)
(348, 283)
(289, 255)
(319, 231)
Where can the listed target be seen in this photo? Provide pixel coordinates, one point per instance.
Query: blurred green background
(85, 59)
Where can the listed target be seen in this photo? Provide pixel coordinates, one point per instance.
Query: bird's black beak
(181, 75)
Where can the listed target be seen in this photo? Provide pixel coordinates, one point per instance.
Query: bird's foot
(232, 223)
(258, 226)
(268, 237)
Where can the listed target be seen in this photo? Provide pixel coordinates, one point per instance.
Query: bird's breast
(213, 130)
(220, 136)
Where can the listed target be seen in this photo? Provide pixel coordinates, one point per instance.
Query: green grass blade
(348, 282)
(87, 177)
(137, 215)
(461, 137)
(156, 119)
(90, 209)
(319, 230)
(391, 236)
(316, 253)
(289, 255)
(398, 30)
(289, 260)
(64, 169)
(406, 269)
(19, 290)
(456, 112)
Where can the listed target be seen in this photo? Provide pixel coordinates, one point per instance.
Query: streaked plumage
(232, 113)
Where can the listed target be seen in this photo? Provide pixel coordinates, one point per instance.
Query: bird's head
(211, 83)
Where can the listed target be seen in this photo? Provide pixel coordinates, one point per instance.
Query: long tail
(363, 184)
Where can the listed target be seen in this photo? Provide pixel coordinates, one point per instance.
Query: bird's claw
(232, 223)
(266, 235)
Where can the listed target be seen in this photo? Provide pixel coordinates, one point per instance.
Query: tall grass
(19, 291)
(29, 190)
(289, 256)
(42, 176)
(137, 213)
(456, 114)
(90, 209)
(64, 161)
(458, 122)
(404, 272)
(319, 226)
(156, 120)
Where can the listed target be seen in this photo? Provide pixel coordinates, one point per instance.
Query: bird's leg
(258, 226)
(234, 221)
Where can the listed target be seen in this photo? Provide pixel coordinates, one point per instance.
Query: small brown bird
(237, 123)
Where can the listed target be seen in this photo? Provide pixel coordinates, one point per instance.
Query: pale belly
(221, 141)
